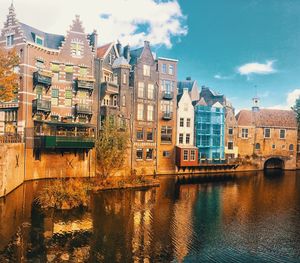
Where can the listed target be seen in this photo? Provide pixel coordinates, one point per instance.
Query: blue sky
(224, 35)
(229, 45)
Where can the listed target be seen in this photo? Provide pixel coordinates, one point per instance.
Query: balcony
(85, 84)
(168, 95)
(43, 106)
(109, 88)
(167, 116)
(65, 142)
(82, 109)
(43, 78)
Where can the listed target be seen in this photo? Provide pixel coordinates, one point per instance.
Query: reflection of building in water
(182, 223)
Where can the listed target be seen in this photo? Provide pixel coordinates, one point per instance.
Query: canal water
(250, 218)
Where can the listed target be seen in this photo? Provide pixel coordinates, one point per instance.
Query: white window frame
(265, 133)
(187, 155)
(193, 155)
(284, 133)
(150, 91)
(150, 112)
(146, 70)
(245, 133)
(40, 38)
(140, 112)
(10, 40)
(171, 70)
(141, 88)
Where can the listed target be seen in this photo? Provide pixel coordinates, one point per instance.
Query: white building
(185, 120)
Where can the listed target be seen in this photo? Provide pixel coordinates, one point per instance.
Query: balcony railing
(11, 138)
(39, 105)
(65, 142)
(167, 115)
(43, 78)
(85, 84)
(168, 95)
(109, 87)
(83, 109)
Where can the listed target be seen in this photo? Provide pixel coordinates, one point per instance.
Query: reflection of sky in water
(253, 218)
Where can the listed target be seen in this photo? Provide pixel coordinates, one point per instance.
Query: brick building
(268, 136)
(55, 110)
(167, 94)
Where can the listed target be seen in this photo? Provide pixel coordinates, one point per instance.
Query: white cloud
(221, 77)
(290, 100)
(257, 68)
(130, 21)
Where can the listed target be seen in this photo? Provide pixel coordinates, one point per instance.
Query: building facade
(209, 131)
(268, 137)
(144, 80)
(54, 113)
(167, 94)
(186, 152)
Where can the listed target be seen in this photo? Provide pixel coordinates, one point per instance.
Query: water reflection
(255, 217)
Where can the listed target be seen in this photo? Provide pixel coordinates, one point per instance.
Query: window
(39, 92)
(291, 147)
(282, 134)
(188, 122)
(167, 86)
(166, 154)
(140, 135)
(124, 78)
(273, 146)
(166, 134)
(149, 154)
(82, 71)
(150, 135)
(139, 154)
(55, 67)
(39, 40)
(244, 133)
(150, 91)
(181, 123)
(187, 138)
(164, 68)
(267, 133)
(76, 49)
(257, 146)
(141, 90)
(69, 72)
(171, 69)
(68, 98)
(140, 112)
(115, 101)
(39, 64)
(9, 40)
(180, 138)
(193, 155)
(146, 70)
(298, 148)
(185, 155)
(230, 131)
(124, 101)
(54, 97)
(230, 146)
(150, 111)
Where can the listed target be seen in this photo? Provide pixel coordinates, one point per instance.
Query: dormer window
(77, 49)
(10, 40)
(39, 40)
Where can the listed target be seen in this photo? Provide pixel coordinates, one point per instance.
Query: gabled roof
(186, 84)
(121, 62)
(267, 118)
(135, 55)
(202, 102)
(50, 40)
(103, 50)
(217, 105)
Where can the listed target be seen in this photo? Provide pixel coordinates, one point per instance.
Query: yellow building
(268, 137)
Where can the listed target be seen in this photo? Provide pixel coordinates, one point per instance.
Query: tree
(111, 147)
(9, 79)
(296, 109)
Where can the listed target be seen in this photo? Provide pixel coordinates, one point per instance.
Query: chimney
(188, 78)
(119, 48)
(126, 52)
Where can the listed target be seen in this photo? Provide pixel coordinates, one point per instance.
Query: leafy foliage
(296, 109)
(111, 147)
(8, 77)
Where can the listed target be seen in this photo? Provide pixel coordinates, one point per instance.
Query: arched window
(257, 146)
(291, 147)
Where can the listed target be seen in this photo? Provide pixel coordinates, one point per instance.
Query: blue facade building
(209, 132)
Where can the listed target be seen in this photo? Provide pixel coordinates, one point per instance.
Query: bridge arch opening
(274, 163)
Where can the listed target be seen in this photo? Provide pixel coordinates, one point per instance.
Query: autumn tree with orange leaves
(9, 79)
